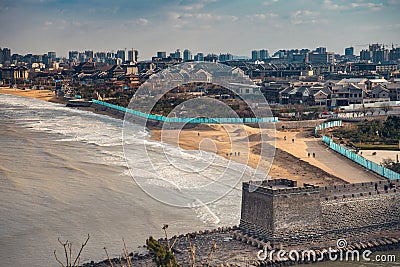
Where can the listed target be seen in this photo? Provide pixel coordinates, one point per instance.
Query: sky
(219, 26)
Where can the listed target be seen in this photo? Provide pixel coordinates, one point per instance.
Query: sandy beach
(291, 159)
(299, 155)
(288, 162)
(45, 95)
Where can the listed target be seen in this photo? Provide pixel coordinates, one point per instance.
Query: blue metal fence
(370, 165)
(186, 120)
(327, 125)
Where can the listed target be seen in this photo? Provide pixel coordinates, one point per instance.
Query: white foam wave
(71, 125)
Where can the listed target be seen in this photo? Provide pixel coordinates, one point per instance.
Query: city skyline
(201, 26)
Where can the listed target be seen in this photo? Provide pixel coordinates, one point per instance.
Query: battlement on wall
(350, 196)
(359, 188)
(287, 186)
(281, 182)
(279, 187)
(278, 210)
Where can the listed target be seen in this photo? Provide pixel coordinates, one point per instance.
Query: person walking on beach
(308, 154)
(313, 155)
(292, 140)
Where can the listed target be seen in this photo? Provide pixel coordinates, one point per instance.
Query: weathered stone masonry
(280, 212)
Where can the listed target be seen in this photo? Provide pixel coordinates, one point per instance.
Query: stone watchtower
(280, 212)
(279, 209)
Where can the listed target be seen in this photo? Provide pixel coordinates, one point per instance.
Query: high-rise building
(187, 55)
(37, 58)
(178, 54)
(211, 58)
(16, 58)
(82, 57)
(298, 57)
(374, 47)
(394, 53)
(327, 57)
(321, 50)
(280, 54)
(51, 55)
(365, 55)
(110, 55)
(47, 60)
(199, 57)
(376, 52)
(259, 54)
(225, 57)
(89, 54)
(100, 56)
(349, 51)
(380, 55)
(121, 55)
(72, 55)
(255, 55)
(264, 54)
(6, 55)
(161, 54)
(133, 55)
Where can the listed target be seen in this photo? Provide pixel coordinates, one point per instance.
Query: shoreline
(44, 95)
(307, 170)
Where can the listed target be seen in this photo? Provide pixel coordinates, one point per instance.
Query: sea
(66, 173)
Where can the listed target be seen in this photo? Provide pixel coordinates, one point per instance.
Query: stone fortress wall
(280, 212)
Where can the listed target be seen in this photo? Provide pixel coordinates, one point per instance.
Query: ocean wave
(184, 168)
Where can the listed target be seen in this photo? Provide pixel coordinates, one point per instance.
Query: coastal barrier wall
(370, 165)
(200, 120)
(348, 213)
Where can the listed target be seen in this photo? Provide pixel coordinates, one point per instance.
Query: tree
(364, 110)
(386, 107)
(390, 164)
(300, 109)
(163, 257)
(70, 261)
(371, 110)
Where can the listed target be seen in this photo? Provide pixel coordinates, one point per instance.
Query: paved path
(342, 167)
(325, 158)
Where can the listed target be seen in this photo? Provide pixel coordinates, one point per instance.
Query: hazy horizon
(218, 26)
